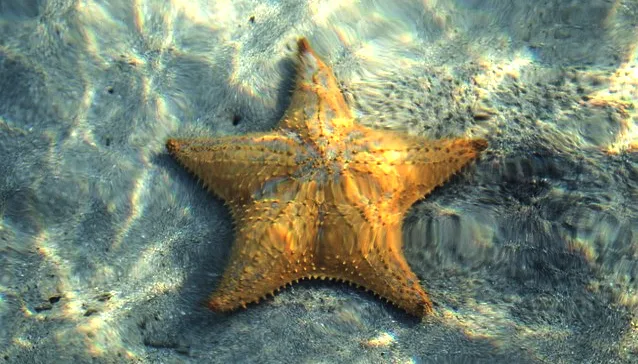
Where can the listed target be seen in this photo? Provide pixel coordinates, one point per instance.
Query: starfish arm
(317, 102)
(433, 164)
(410, 167)
(272, 248)
(236, 167)
(369, 254)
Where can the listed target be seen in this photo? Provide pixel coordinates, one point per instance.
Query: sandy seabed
(108, 248)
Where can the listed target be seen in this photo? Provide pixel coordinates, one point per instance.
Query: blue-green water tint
(108, 250)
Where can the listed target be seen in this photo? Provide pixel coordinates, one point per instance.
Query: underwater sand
(108, 248)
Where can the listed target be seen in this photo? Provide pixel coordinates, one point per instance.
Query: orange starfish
(321, 196)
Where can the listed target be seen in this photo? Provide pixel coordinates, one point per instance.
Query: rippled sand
(108, 249)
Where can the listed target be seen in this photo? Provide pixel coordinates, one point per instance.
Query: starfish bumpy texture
(321, 196)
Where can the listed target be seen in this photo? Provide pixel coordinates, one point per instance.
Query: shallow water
(108, 249)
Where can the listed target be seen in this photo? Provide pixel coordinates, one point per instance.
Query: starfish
(321, 196)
